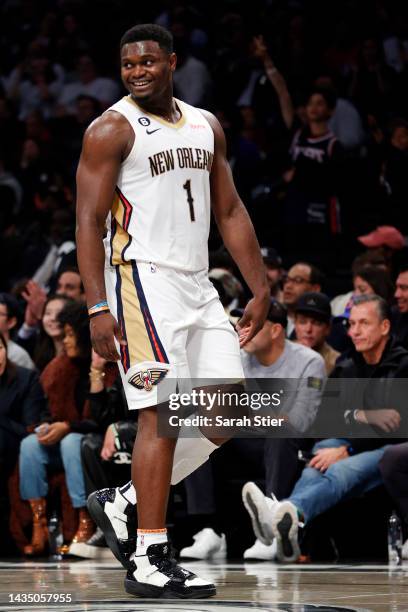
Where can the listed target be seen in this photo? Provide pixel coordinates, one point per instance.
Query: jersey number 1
(190, 199)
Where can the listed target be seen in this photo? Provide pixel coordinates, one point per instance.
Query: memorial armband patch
(315, 383)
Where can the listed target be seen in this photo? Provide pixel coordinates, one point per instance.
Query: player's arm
(106, 143)
(238, 235)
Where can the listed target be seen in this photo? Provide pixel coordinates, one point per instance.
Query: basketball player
(150, 168)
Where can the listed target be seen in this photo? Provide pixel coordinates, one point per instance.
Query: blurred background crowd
(313, 98)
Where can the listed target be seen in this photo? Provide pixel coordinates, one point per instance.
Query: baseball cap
(271, 257)
(316, 304)
(384, 235)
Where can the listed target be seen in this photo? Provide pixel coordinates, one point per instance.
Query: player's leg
(155, 573)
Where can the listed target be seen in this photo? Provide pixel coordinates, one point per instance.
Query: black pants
(237, 459)
(9, 447)
(100, 474)
(282, 466)
(394, 470)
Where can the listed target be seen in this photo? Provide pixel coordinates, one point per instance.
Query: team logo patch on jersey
(146, 379)
(145, 121)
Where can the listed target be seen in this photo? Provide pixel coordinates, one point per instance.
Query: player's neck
(166, 107)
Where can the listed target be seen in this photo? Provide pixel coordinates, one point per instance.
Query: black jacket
(22, 402)
(354, 385)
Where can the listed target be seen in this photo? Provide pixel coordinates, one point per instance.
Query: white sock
(146, 537)
(190, 453)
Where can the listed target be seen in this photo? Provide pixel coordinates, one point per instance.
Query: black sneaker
(157, 575)
(116, 517)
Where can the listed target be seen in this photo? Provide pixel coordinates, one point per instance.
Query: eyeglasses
(296, 280)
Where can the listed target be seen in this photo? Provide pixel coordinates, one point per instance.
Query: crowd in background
(313, 98)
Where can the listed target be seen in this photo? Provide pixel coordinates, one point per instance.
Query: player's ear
(172, 61)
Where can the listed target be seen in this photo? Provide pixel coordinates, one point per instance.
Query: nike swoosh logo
(152, 131)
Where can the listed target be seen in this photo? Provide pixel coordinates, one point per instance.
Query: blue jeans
(35, 458)
(316, 492)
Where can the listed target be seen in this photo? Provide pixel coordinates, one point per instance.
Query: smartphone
(43, 429)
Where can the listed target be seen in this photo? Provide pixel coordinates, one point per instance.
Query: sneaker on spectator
(207, 545)
(273, 519)
(261, 552)
(94, 548)
(405, 550)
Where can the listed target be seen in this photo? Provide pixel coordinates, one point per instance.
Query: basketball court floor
(267, 587)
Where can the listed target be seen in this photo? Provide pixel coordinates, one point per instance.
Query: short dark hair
(12, 305)
(403, 268)
(10, 370)
(379, 279)
(316, 275)
(383, 309)
(327, 93)
(75, 314)
(149, 31)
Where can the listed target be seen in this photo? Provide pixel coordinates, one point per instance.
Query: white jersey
(161, 210)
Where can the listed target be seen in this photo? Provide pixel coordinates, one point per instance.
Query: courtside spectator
(69, 283)
(274, 271)
(302, 372)
(66, 383)
(22, 402)
(340, 467)
(313, 325)
(400, 311)
(301, 277)
(9, 315)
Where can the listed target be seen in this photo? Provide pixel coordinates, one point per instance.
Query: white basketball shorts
(175, 327)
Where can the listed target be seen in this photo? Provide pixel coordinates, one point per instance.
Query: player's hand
(388, 420)
(253, 318)
(104, 329)
(325, 457)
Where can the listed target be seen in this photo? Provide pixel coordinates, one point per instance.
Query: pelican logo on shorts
(145, 379)
(145, 121)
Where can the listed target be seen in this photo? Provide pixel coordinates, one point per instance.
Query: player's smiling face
(146, 69)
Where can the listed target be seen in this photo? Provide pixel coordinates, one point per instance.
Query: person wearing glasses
(301, 278)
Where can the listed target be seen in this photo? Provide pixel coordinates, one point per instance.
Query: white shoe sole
(255, 503)
(81, 549)
(284, 526)
(191, 555)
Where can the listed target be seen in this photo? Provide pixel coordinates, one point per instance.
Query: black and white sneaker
(116, 517)
(157, 575)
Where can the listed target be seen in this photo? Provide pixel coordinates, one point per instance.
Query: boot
(86, 528)
(39, 538)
